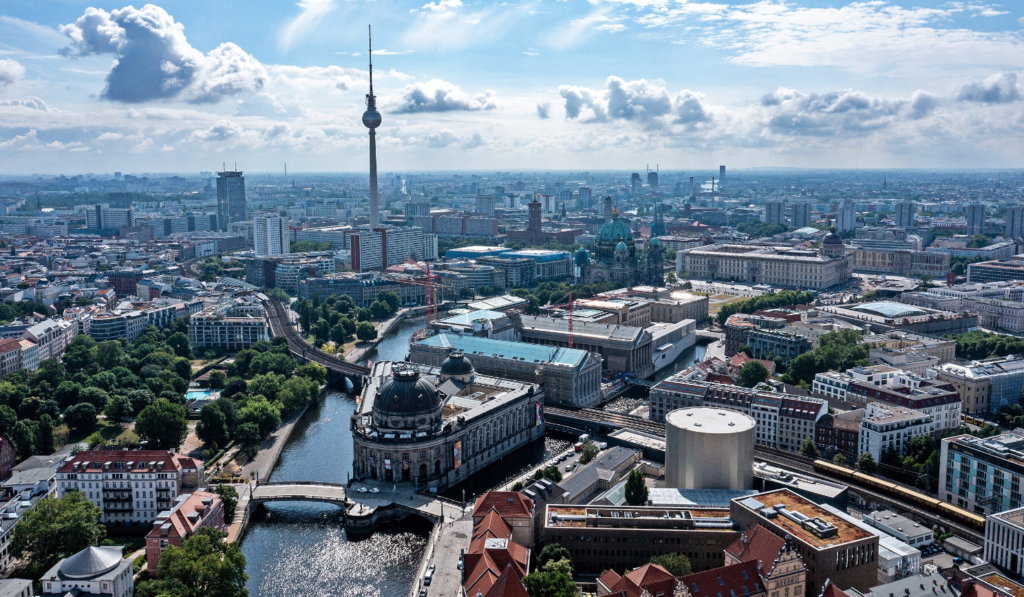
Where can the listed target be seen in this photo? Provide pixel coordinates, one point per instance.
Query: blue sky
(184, 85)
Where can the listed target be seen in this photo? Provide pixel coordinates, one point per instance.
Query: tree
(865, 463)
(272, 362)
(162, 424)
(260, 411)
(67, 393)
(211, 427)
(229, 496)
(391, 299)
(553, 552)
(808, 449)
(636, 489)
(380, 310)
(267, 385)
(56, 529)
(675, 563)
(338, 334)
(44, 439)
(8, 419)
(217, 379)
(203, 566)
(839, 459)
(109, 354)
(588, 452)
(81, 416)
(549, 584)
(747, 350)
(24, 439)
(179, 343)
(118, 409)
(140, 399)
(753, 373)
(278, 294)
(248, 434)
(95, 396)
(366, 331)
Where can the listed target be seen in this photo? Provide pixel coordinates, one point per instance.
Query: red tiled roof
(506, 503)
(737, 580)
(482, 576)
(492, 525)
(831, 590)
(9, 344)
(757, 545)
(94, 461)
(648, 573)
(181, 525)
(507, 585)
(609, 578)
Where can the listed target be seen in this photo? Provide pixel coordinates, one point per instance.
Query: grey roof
(54, 460)
(914, 586)
(32, 476)
(601, 468)
(91, 562)
(11, 587)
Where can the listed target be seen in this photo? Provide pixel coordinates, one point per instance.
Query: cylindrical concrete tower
(372, 120)
(709, 448)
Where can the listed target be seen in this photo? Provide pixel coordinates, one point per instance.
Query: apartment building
(191, 512)
(937, 399)
(129, 486)
(122, 324)
(886, 427)
(10, 357)
(1004, 540)
(229, 326)
(982, 475)
(784, 421)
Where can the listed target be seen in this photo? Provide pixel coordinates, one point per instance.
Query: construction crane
(429, 284)
(569, 305)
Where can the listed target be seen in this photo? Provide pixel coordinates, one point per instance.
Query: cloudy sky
(185, 85)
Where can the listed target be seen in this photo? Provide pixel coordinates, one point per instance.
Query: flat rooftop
(846, 532)
(505, 349)
(704, 518)
(1004, 584)
(1014, 517)
(710, 420)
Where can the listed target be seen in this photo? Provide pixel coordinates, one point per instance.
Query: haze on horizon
(492, 85)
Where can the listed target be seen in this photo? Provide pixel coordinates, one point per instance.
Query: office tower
(801, 215)
(485, 205)
(975, 219)
(634, 183)
(230, 198)
(721, 176)
(117, 176)
(693, 189)
(565, 196)
(372, 120)
(584, 198)
(104, 217)
(499, 196)
(1015, 221)
(652, 180)
(270, 235)
(607, 209)
(904, 214)
(775, 213)
(847, 220)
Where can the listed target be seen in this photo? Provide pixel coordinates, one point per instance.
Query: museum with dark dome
(435, 425)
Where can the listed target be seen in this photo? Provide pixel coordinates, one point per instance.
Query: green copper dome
(615, 231)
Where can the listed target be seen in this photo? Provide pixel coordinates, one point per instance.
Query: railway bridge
(280, 325)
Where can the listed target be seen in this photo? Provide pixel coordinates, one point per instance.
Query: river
(302, 548)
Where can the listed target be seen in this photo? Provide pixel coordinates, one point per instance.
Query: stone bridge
(299, 492)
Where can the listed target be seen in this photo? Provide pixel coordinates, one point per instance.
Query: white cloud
(10, 71)
(869, 37)
(30, 102)
(443, 5)
(267, 106)
(441, 96)
(155, 61)
(313, 11)
(640, 101)
(544, 110)
(997, 89)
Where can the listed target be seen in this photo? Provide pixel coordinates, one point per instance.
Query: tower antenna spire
(369, 29)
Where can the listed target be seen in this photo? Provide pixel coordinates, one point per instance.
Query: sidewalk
(356, 353)
(270, 450)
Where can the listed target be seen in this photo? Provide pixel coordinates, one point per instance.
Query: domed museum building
(436, 426)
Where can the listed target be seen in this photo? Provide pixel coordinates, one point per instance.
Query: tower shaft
(374, 210)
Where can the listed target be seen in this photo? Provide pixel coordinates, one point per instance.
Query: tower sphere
(371, 119)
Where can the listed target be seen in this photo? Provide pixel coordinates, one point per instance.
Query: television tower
(371, 120)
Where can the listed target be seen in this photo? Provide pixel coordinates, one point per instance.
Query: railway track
(280, 326)
(772, 456)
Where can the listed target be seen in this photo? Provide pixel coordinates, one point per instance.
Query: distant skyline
(495, 85)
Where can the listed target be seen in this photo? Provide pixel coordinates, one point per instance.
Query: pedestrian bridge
(299, 492)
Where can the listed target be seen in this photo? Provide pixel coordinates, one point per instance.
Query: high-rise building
(775, 212)
(608, 209)
(372, 120)
(847, 220)
(904, 214)
(634, 183)
(1015, 221)
(652, 180)
(104, 217)
(721, 175)
(801, 215)
(270, 235)
(230, 198)
(585, 198)
(975, 219)
(485, 205)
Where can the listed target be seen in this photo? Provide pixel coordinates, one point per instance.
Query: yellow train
(932, 504)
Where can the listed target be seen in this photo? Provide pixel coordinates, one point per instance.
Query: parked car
(423, 593)
(427, 577)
